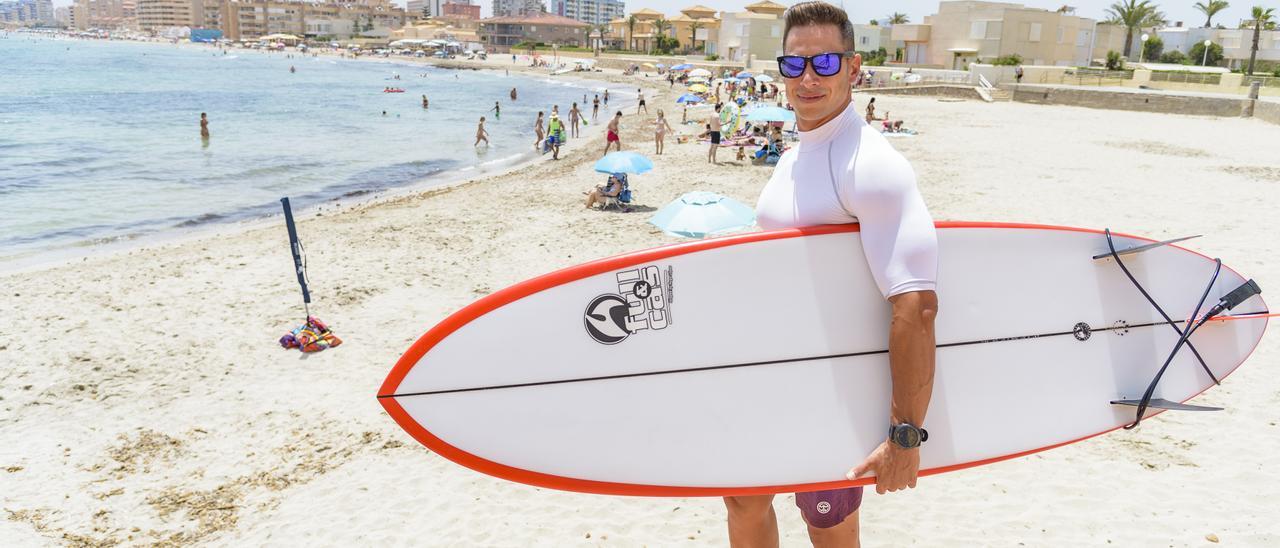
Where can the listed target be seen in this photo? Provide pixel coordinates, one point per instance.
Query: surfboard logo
(641, 303)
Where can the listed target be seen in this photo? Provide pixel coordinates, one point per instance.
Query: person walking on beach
(660, 129)
(537, 129)
(595, 108)
(844, 171)
(497, 111)
(611, 134)
(639, 106)
(1017, 73)
(714, 124)
(555, 133)
(481, 134)
(871, 110)
(204, 126)
(575, 118)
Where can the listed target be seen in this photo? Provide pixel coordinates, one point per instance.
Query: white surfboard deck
(758, 363)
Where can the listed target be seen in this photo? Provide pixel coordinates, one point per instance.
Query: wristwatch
(907, 436)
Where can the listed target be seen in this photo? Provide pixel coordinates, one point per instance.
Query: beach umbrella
(690, 98)
(764, 78)
(698, 88)
(699, 214)
(623, 162)
(660, 65)
(771, 114)
(650, 65)
(682, 66)
(699, 72)
(744, 74)
(698, 78)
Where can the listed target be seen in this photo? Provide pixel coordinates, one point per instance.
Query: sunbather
(609, 190)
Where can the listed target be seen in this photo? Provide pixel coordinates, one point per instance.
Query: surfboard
(758, 363)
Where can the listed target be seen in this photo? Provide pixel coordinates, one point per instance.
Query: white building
(874, 37)
(593, 12)
(1236, 43)
(517, 8)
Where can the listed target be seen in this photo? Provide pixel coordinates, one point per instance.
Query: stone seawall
(1268, 111)
(1125, 100)
(940, 90)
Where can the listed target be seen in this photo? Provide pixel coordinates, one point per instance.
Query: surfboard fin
(1161, 403)
(1144, 247)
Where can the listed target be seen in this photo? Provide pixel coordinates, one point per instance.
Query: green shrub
(1115, 61)
(1152, 48)
(1173, 56)
(712, 57)
(1197, 54)
(1008, 60)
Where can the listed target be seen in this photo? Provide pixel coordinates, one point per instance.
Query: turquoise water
(100, 141)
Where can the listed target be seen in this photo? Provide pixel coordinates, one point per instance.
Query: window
(1082, 38)
(864, 40)
(1034, 35)
(977, 30)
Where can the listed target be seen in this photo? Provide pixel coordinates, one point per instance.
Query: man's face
(818, 99)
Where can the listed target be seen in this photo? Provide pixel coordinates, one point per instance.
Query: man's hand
(895, 468)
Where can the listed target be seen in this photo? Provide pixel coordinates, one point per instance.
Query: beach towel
(312, 336)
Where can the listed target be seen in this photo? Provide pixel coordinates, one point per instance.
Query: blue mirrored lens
(826, 64)
(791, 66)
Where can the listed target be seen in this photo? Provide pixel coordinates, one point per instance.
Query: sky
(865, 10)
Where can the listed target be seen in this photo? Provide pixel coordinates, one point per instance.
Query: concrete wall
(1268, 111)
(1126, 100)
(938, 90)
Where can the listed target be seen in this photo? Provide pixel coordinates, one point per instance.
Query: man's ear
(856, 65)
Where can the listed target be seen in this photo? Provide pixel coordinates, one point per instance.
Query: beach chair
(622, 200)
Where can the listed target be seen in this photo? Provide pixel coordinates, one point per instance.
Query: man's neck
(804, 125)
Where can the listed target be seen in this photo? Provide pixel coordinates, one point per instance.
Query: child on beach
(640, 94)
(595, 108)
(497, 110)
(481, 134)
(575, 117)
(204, 126)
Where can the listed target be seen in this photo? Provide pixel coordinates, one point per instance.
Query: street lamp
(1143, 51)
(1205, 61)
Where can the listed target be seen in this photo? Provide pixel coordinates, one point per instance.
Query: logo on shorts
(824, 507)
(642, 302)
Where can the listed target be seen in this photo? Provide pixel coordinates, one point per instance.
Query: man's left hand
(895, 468)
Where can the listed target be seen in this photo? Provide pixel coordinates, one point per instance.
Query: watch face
(907, 437)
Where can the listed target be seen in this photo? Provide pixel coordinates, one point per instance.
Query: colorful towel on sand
(312, 336)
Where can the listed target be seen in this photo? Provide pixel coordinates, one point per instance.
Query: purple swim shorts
(826, 509)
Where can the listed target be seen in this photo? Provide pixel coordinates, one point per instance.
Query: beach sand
(145, 399)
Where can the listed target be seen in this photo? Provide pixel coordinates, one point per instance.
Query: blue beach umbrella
(771, 114)
(660, 65)
(690, 98)
(700, 214)
(764, 78)
(623, 162)
(682, 66)
(743, 75)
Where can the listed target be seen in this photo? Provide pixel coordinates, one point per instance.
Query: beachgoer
(640, 94)
(575, 119)
(606, 97)
(875, 186)
(513, 94)
(684, 115)
(611, 190)
(537, 129)
(1017, 73)
(425, 103)
(871, 110)
(595, 107)
(204, 125)
(497, 111)
(481, 134)
(555, 132)
(612, 132)
(714, 122)
(292, 70)
(660, 129)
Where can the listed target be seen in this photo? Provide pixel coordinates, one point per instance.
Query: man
(640, 95)
(497, 110)
(555, 135)
(714, 122)
(595, 107)
(844, 171)
(513, 94)
(611, 136)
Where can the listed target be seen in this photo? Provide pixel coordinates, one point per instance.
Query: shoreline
(194, 230)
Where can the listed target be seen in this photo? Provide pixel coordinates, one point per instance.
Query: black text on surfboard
(642, 302)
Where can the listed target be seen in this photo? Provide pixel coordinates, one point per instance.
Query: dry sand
(145, 400)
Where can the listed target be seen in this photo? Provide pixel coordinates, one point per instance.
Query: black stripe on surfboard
(777, 362)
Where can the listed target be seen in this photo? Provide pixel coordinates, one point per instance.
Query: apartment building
(154, 15)
(499, 34)
(253, 19)
(517, 8)
(756, 32)
(592, 12)
(968, 31)
(1236, 43)
(27, 12)
(698, 29)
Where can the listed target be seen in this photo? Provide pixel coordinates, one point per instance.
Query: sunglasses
(824, 64)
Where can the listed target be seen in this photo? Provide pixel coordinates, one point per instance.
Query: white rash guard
(844, 172)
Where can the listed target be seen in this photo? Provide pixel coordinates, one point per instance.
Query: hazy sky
(865, 10)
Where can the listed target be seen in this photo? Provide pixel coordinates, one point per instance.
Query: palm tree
(1211, 9)
(631, 32)
(693, 35)
(1133, 14)
(899, 19)
(1262, 17)
(600, 30)
(660, 27)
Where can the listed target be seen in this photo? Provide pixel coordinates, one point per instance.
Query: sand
(145, 400)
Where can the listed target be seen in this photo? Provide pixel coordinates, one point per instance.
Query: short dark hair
(818, 13)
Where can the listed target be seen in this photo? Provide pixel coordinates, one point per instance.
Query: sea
(100, 140)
